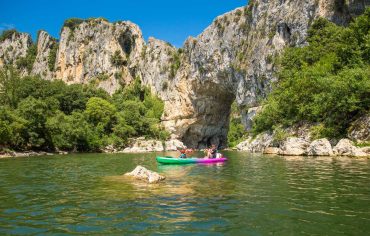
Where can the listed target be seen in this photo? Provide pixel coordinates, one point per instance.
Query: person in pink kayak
(211, 152)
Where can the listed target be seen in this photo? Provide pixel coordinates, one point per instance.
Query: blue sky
(172, 21)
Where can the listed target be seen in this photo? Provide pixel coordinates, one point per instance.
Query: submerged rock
(294, 147)
(320, 147)
(142, 173)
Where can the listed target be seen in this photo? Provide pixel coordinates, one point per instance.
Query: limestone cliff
(13, 47)
(96, 51)
(233, 59)
(44, 62)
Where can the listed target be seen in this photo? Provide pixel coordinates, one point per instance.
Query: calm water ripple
(249, 195)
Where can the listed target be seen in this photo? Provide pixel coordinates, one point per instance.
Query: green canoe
(173, 160)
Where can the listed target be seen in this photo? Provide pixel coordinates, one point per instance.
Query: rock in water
(141, 172)
(320, 147)
(345, 147)
(257, 144)
(294, 147)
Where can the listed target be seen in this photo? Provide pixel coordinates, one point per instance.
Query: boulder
(140, 145)
(345, 147)
(257, 144)
(366, 150)
(294, 147)
(173, 145)
(109, 149)
(151, 145)
(142, 173)
(271, 150)
(320, 147)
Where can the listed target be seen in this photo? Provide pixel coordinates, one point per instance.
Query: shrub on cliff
(27, 61)
(73, 23)
(236, 129)
(7, 34)
(326, 82)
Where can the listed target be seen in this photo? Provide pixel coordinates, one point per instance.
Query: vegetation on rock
(175, 63)
(117, 60)
(326, 83)
(236, 132)
(27, 61)
(52, 56)
(7, 34)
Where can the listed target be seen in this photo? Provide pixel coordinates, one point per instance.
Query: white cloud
(6, 26)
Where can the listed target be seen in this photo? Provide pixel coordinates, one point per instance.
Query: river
(249, 195)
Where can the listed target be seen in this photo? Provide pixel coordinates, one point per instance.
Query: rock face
(360, 129)
(294, 147)
(99, 52)
(231, 60)
(345, 147)
(45, 46)
(320, 147)
(144, 174)
(14, 47)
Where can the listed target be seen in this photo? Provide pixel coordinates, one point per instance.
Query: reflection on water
(250, 194)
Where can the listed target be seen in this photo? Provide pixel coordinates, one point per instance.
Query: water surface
(249, 195)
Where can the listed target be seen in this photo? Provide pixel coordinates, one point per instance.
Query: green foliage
(100, 112)
(7, 34)
(326, 82)
(73, 23)
(140, 110)
(236, 132)
(9, 84)
(73, 133)
(102, 77)
(280, 134)
(27, 61)
(49, 115)
(117, 60)
(12, 128)
(176, 63)
(52, 56)
(35, 112)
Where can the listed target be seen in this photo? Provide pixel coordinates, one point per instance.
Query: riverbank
(302, 146)
(9, 154)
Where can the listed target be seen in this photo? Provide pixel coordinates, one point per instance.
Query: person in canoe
(211, 152)
(184, 152)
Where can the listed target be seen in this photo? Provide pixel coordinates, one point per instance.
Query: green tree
(12, 128)
(36, 112)
(100, 112)
(9, 84)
